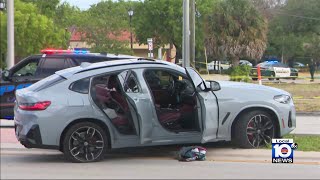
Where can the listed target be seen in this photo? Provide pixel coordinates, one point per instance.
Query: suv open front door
(209, 107)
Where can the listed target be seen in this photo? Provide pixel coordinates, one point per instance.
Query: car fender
(96, 119)
(251, 106)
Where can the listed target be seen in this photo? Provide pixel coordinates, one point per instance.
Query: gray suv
(85, 110)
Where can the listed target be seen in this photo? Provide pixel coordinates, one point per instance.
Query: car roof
(93, 66)
(88, 55)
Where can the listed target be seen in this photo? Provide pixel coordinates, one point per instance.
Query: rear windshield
(46, 82)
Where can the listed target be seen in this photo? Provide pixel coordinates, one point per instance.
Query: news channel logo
(282, 150)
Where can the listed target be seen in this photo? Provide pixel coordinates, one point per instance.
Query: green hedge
(240, 73)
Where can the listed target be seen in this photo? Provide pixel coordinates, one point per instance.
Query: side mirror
(6, 75)
(214, 86)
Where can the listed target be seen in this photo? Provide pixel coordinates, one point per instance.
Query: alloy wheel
(260, 130)
(86, 144)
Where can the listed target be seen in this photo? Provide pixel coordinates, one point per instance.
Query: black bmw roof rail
(125, 64)
(146, 59)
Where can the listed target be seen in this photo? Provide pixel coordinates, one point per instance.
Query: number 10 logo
(282, 150)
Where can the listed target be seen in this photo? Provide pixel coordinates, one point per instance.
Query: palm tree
(236, 29)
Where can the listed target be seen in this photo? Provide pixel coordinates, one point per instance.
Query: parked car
(85, 110)
(37, 67)
(274, 70)
(245, 62)
(298, 65)
(214, 65)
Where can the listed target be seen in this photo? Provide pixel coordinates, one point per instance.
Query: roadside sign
(150, 44)
(150, 47)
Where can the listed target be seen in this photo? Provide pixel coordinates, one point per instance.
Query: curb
(6, 123)
(213, 154)
(315, 113)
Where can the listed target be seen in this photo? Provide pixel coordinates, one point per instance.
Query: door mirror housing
(214, 86)
(6, 75)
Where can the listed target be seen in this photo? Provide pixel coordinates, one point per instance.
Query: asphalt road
(307, 125)
(52, 165)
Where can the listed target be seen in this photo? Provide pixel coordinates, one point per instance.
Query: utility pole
(186, 35)
(192, 34)
(1, 9)
(10, 30)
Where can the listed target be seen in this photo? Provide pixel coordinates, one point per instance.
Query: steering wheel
(171, 87)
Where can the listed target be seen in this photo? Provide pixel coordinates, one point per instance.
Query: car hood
(250, 87)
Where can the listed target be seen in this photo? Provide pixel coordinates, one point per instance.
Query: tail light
(39, 106)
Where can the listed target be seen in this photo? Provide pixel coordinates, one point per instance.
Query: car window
(51, 65)
(28, 70)
(81, 86)
(157, 79)
(279, 65)
(106, 92)
(196, 78)
(131, 83)
(93, 59)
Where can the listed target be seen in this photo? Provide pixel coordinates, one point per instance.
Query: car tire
(85, 142)
(272, 76)
(246, 130)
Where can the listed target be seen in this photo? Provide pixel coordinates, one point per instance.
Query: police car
(274, 70)
(37, 67)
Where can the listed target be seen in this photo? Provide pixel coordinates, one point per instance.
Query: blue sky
(82, 4)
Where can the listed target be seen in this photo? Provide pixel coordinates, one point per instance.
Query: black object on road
(192, 153)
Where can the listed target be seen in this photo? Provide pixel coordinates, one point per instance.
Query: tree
(67, 15)
(33, 31)
(103, 25)
(268, 8)
(313, 47)
(295, 27)
(45, 7)
(162, 21)
(236, 29)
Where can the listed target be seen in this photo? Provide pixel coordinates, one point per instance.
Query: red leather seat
(120, 120)
(102, 93)
(119, 99)
(117, 95)
(187, 108)
(168, 117)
